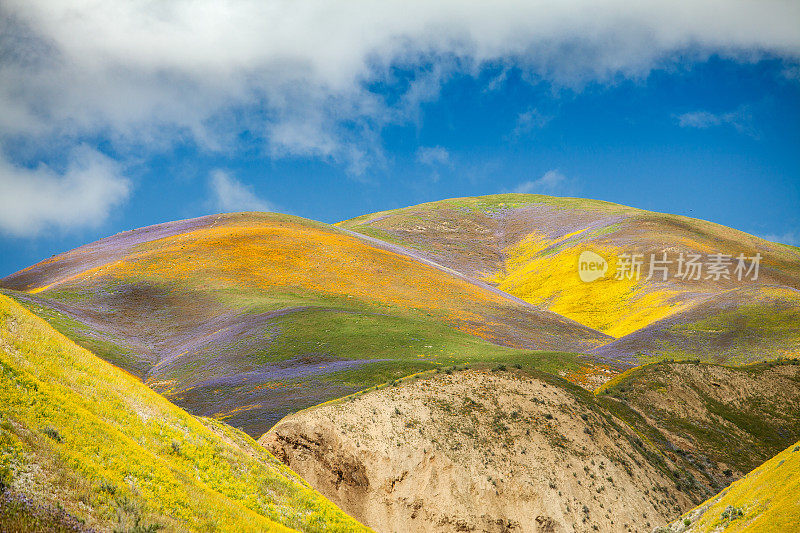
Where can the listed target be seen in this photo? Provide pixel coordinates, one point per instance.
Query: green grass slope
(84, 444)
(737, 326)
(716, 422)
(313, 354)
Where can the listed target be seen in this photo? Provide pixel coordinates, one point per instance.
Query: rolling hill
(736, 326)
(432, 365)
(246, 317)
(529, 246)
(86, 446)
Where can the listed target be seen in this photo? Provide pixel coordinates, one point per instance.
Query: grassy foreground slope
(766, 500)
(85, 444)
(246, 317)
(529, 245)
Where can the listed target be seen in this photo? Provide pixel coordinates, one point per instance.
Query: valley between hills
(440, 367)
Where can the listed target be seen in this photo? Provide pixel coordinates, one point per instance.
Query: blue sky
(147, 121)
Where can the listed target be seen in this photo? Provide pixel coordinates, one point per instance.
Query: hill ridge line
(396, 248)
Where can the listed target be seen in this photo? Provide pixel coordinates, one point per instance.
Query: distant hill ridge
(528, 246)
(247, 317)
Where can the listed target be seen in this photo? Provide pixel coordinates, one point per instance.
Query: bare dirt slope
(480, 450)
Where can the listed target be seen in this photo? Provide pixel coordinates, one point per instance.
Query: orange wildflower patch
(590, 377)
(290, 256)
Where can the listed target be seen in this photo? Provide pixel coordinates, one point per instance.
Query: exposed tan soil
(479, 451)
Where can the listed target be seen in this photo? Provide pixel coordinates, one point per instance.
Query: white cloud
(740, 119)
(792, 72)
(532, 119)
(699, 119)
(790, 237)
(433, 156)
(552, 182)
(228, 194)
(300, 73)
(39, 199)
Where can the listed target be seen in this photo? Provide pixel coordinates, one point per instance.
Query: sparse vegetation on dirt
(717, 422)
(417, 453)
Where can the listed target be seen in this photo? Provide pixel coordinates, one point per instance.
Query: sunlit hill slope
(84, 444)
(246, 317)
(767, 499)
(529, 245)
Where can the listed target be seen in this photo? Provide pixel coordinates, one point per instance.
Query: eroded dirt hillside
(480, 450)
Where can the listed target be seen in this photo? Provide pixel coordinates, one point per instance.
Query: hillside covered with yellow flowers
(247, 316)
(86, 445)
